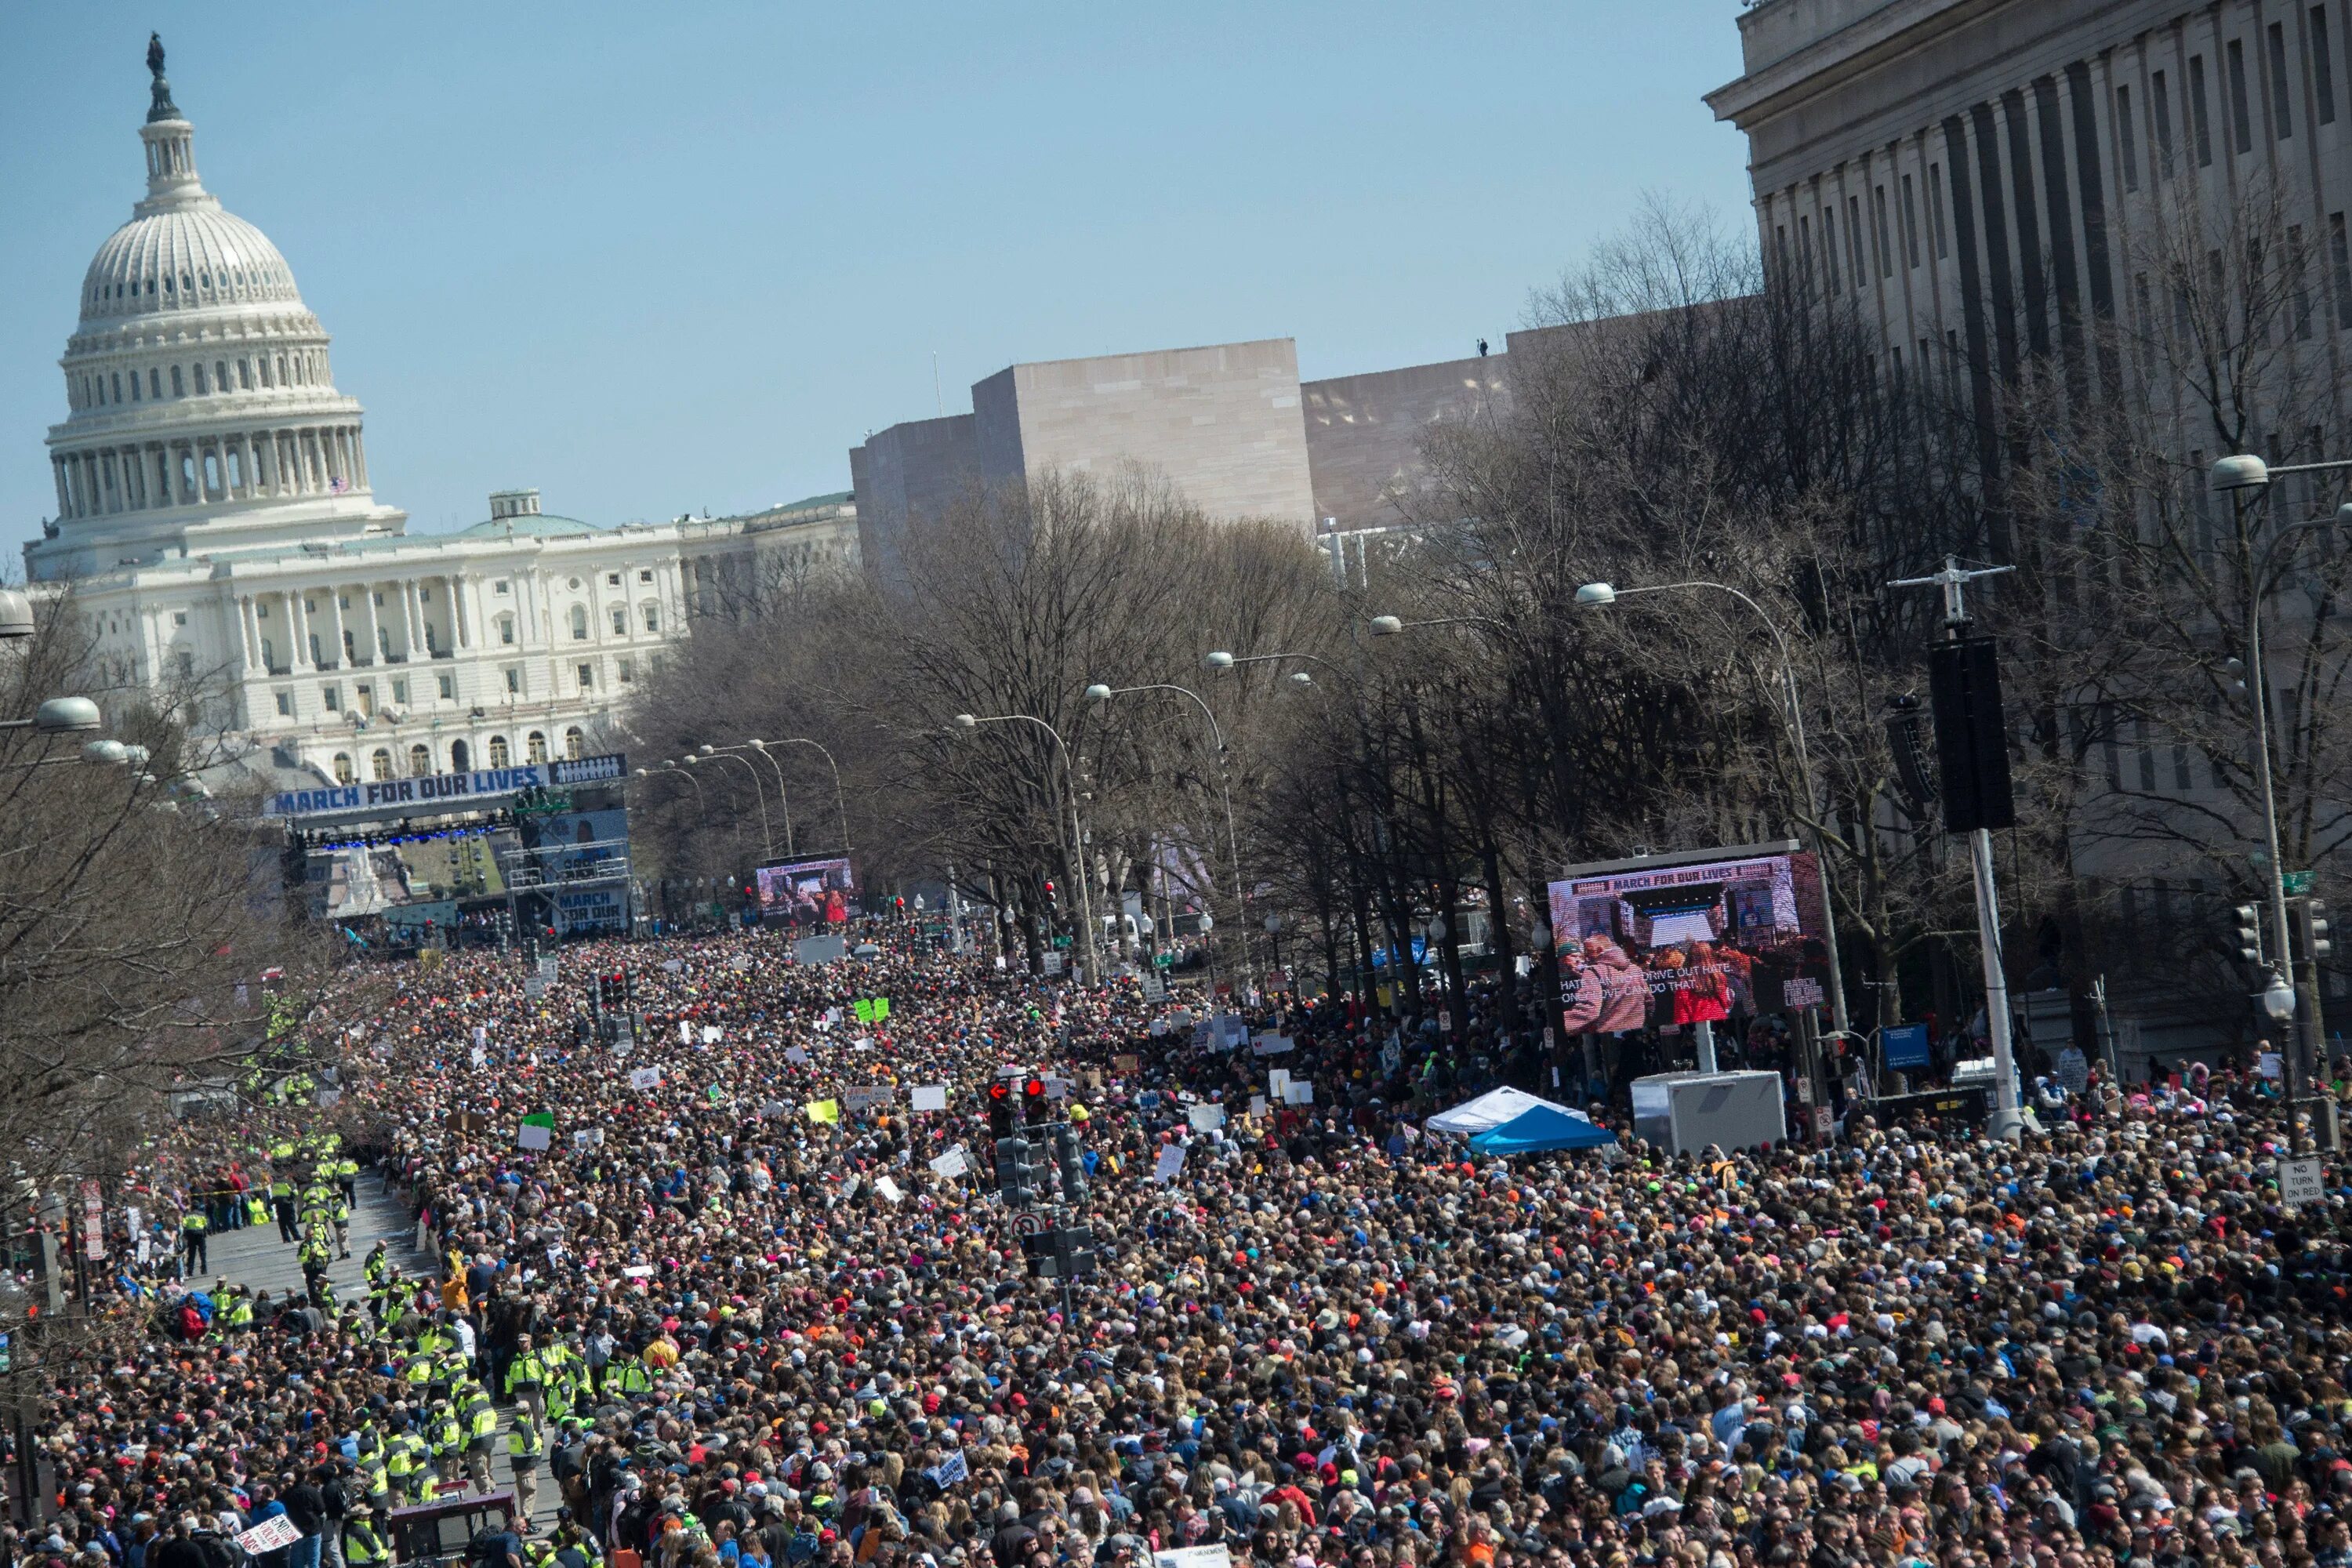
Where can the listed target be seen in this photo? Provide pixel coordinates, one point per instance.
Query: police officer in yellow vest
(403, 1461)
(447, 1436)
(482, 1423)
(364, 1544)
(524, 1447)
(194, 1257)
(527, 1379)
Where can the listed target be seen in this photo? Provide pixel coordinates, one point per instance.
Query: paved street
(256, 1259)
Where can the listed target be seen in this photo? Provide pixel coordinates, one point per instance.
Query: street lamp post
(2243, 477)
(840, 801)
(1601, 596)
(1078, 855)
(1101, 693)
(784, 801)
(759, 792)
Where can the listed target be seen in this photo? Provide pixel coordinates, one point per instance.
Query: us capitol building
(216, 529)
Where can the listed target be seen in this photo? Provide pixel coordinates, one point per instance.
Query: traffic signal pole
(1971, 748)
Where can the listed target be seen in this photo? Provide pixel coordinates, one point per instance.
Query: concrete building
(1983, 181)
(216, 531)
(1231, 426)
(1977, 177)
(1220, 423)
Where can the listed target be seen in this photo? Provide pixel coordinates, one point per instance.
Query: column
(359, 454)
(334, 640)
(412, 608)
(252, 630)
(300, 619)
(463, 616)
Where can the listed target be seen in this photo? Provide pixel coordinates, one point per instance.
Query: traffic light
(1000, 1109)
(1032, 1096)
(2309, 918)
(1068, 1166)
(1053, 899)
(1971, 738)
(1012, 1181)
(1065, 1253)
(2250, 933)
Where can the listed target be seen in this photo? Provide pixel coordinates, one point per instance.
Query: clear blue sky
(661, 257)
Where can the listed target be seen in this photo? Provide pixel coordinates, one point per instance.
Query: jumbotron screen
(1678, 938)
(812, 892)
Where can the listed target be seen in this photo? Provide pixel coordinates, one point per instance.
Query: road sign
(1027, 1224)
(2299, 1181)
(2297, 883)
(1164, 960)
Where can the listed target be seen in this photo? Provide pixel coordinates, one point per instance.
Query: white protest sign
(798, 1056)
(890, 1189)
(1207, 1118)
(268, 1535)
(711, 1034)
(1272, 1046)
(952, 1165)
(1171, 1161)
(530, 1135)
(1194, 1557)
(931, 1097)
(1257, 1105)
(774, 1108)
(673, 966)
(1278, 1079)
(1298, 1091)
(644, 1077)
(685, 1033)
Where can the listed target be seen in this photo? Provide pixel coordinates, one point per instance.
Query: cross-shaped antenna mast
(1952, 579)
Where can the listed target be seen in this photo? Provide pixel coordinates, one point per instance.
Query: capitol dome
(202, 412)
(185, 256)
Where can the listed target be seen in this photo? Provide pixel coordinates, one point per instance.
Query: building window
(499, 586)
(178, 617)
(587, 674)
(645, 576)
(2200, 128)
(332, 699)
(1910, 225)
(535, 747)
(1884, 243)
(612, 579)
(579, 623)
(2128, 137)
(461, 758)
(448, 684)
(286, 705)
(620, 621)
(2242, 121)
(2282, 123)
(505, 630)
(420, 761)
(575, 744)
(2340, 254)
(2323, 83)
(1936, 209)
(179, 391)
(343, 767)
(514, 682)
(497, 751)
(624, 669)
(380, 764)
(399, 690)
(652, 618)
(2161, 103)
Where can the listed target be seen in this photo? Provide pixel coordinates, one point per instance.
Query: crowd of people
(723, 1298)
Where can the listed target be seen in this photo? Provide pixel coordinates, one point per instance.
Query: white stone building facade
(216, 529)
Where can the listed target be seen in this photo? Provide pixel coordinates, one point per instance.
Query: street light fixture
(1596, 595)
(1386, 625)
(59, 716)
(16, 615)
(2278, 998)
(1077, 842)
(1102, 693)
(1217, 658)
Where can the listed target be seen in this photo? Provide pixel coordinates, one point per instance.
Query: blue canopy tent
(1541, 1131)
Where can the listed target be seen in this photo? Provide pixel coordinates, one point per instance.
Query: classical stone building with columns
(217, 532)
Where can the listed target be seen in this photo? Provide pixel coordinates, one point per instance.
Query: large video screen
(818, 892)
(1675, 940)
(350, 880)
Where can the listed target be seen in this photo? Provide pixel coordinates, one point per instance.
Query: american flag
(338, 486)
